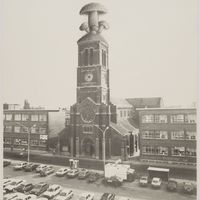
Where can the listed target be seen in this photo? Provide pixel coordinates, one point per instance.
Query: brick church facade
(93, 113)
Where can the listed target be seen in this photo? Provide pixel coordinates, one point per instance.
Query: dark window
(91, 56)
(86, 57)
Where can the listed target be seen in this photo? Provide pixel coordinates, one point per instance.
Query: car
(14, 184)
(84, 173)
(20, 166)
(93, 177)
(7, 181)
(188, 187)
(52, 191)
(72, 173)
(47, 171)
(62, 171)
(108, 196)
(86, 196)
(31, 197)
(39, 188)
(113, 180)
(30, 167)
(11, 196)
(65, 194)
(40, 167)
(24, 188)
(156, 182)
(6, 163)
(172, 185)
(22, 196)
(144, 181)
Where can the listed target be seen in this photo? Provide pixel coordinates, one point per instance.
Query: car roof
(156, 179)
(54, 186)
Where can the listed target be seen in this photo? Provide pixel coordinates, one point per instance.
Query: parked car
(20, 166)
(11, 196)
(172, 185)
(47, 171)
(31, 197)
(22, 196)
(144, 181)
(156, 182)
(24, 188)
(40, 167)
(114, 181)
(93, 177)
(62, 171)
(188, 187)
(86, 196)
(7, 181)
(72, 173)
(6, 163)
(30, 167)
(14, 184)
(39, 188)
(84, 173)
(108, 196)
(52, 191)
(65, 194)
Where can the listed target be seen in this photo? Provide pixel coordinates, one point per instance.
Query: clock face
(88, 77)
(87, 114)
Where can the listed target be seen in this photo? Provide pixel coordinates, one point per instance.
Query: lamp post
(29, 134)
(104, 144)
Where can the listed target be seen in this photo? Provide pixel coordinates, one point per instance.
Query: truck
(116, 173)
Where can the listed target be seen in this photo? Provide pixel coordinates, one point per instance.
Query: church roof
(121, 103)
(92, 37)
(123, 127)
(152, 102)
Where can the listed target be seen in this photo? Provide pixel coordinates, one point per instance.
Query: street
(131, 190)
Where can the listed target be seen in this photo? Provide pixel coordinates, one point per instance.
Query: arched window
(91, 56)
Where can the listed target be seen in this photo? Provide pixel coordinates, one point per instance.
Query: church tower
(92, 112)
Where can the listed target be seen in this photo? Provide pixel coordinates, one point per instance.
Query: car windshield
(13, 183)
(63, 194)
(51, 189)
(155, 181)
(38, 186)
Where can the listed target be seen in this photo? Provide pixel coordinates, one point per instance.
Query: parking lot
(131, 190)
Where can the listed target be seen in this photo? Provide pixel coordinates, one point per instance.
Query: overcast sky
(152, 50)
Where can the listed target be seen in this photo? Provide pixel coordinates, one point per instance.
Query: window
(160, 118)
(147, 119)
(103, 58)
(34, 117)
(9, 117)
(7, 140)
(177, 135)
(177, 118)
(148, 134)
(17, 117)
(151, 150)
(42, 142)
(161, 135)
(91, 56)
(190, 135)
(190, 152)
(17, 129)
(42, 130)
(34, 130)
(17, 141)
(178, 151)
(191, 118)
(43, 118)
(121, 113)
(124, 113)
(25, 117)
(24, 142)
(87, 129)
(86, 54)
(34, 142)
(8, 128)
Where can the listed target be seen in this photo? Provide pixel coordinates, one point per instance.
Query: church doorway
(88, 148)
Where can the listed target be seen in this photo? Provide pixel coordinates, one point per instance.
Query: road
(131, 190)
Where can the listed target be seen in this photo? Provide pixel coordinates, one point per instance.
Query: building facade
(168, 134)
(18, 123)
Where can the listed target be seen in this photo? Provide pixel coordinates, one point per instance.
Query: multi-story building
(168, 134)
(18, 123)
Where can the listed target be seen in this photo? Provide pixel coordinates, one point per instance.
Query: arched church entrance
(88, 147)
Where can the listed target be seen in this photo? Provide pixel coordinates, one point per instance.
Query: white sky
(153, 50)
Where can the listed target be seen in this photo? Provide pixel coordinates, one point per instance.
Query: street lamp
(104, 144)
(29, 133)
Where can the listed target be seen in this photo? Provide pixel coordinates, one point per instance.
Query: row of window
(180, 118)
(175, 135)
(125, 113)
(175, 151)
(20, 129)
(25, 117)
(25, 142)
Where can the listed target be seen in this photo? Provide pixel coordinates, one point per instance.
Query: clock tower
(92, 112)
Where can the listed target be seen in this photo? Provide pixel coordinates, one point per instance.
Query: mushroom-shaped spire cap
(93, 7)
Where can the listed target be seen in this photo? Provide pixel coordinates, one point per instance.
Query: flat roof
(30, 110)
(167, 108)
(158, 169)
